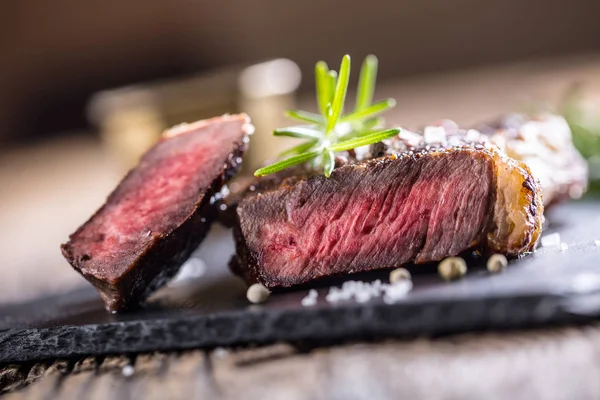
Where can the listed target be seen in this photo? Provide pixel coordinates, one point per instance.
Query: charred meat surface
(414, 206)
(160, 212)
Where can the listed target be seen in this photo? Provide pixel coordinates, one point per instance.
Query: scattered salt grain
(434, 134)
(310, 299)
(220, 352)
(397, 291)
(497, 263)
(564, 246)
(127, 370)
(224, 192)
(551, 240)
(452, 268)
(193, 268)
(362, 292)
(223, 207)
(362, 296)
(472, 135)
(257, 293)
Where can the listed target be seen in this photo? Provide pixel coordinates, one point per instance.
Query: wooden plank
(12, 377)
(76, 385)
(108, 380)
(46, 386)
(188, 376)
(148, 375)
(560, 363)
(276, 372)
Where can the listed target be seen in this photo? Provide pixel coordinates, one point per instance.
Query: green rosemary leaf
(372, 123)
(332, 77)
(359, 133)
(332, 131)
(323, 86)
(328, 163)
(305, 116)
(366, 83)
(337, 104)
(370, 111)
(364, 140)
(301, 148)
(299, 132)
(288, 162)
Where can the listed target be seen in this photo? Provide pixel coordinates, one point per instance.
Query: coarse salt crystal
(434, 134)
(397, 291)
(128, 370)
(472, 135)
(597, 243)
(362, 292)
(551, 240)
(564, 246)
(363, 297)
(224, 192)
(308, 301)
(220, 352)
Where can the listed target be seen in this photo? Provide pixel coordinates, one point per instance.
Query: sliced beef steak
(383, 213)
(160, 212)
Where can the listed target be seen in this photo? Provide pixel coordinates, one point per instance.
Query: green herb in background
(585, 127)
(331, 131)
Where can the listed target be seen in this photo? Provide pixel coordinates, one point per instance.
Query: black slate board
(551, 286)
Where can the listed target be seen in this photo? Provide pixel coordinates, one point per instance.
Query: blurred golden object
(130, 122)
(131, 119)
(266, 92)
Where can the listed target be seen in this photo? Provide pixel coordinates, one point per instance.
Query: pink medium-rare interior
(400, 211)
(155, 197)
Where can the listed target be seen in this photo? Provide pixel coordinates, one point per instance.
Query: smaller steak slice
(160, 212)
(382, 213)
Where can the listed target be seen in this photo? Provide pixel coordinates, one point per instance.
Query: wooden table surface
(558, 363)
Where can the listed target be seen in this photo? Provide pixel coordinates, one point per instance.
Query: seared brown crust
(519, 208)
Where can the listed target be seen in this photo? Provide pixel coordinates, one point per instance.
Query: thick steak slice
(383, 213)
(160, 212)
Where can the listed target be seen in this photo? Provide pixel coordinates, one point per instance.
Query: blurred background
(85, 86)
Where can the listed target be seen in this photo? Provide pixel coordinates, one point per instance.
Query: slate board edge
(262, 326)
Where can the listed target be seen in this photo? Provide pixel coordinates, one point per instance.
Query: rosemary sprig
(331, 131)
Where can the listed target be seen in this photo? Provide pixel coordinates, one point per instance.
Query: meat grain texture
(420, 202)
(160, 212)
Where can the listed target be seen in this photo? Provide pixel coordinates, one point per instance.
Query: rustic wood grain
(559, 363)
